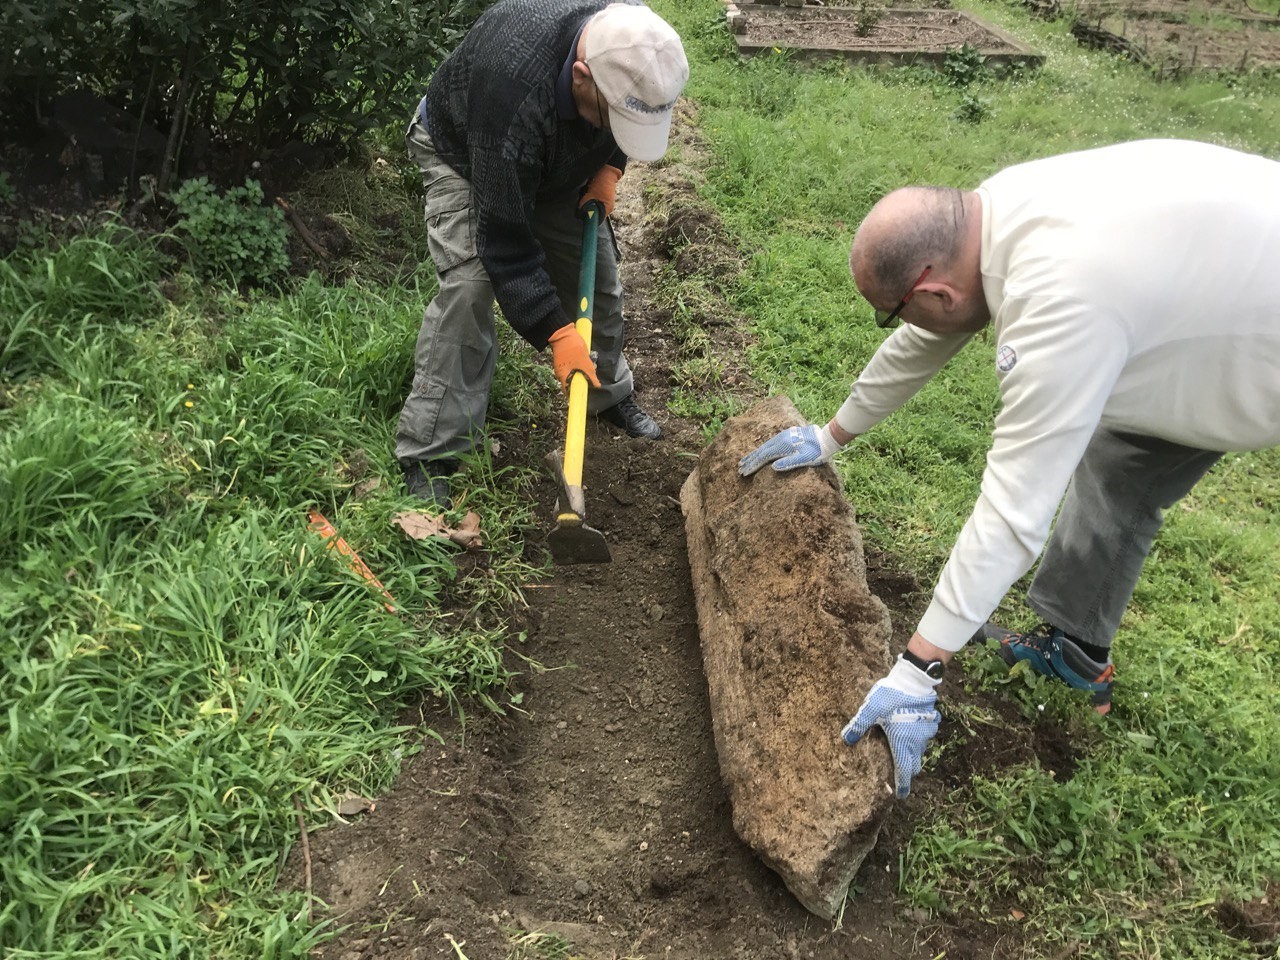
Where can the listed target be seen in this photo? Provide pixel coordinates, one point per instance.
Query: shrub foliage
(231, 236)
(260, 72)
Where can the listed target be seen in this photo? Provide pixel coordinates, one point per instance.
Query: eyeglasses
(886, 318)
(602, 108)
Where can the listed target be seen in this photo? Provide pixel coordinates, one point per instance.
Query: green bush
(262, 73)
(231, 236)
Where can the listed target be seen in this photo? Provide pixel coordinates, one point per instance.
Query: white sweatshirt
(1135, 286)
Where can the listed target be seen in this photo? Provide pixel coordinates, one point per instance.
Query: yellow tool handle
(575, 430)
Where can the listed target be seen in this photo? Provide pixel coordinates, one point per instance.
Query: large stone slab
(792, 639)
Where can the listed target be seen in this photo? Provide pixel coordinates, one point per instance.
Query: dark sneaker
(1053, 654)
(429, 480)
(628, 415)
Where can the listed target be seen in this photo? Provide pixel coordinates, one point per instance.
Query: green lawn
(183, 660)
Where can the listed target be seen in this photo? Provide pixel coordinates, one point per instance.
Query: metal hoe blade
(571, 540)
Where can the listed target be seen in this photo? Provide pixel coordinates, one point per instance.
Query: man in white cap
(535, 113)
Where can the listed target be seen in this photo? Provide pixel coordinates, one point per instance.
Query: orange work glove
(569, 356)
(603, 187)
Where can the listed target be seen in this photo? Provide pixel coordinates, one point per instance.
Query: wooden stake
(306, 857)
(307, 236)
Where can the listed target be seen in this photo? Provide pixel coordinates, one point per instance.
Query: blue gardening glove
(794, 447)
(904, 706)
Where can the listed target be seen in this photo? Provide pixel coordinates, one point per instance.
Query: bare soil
(592, 814)
(1257, 921)
(1180, 47)
(1174, 37)
(839, 29)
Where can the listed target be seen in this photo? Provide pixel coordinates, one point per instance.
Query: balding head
(906, 231)
(914, 228)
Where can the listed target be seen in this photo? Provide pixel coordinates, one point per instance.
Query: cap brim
(640, 141)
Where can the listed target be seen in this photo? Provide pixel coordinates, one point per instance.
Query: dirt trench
(590, 821)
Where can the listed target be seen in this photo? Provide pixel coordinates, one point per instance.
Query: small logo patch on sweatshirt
(1006, 359)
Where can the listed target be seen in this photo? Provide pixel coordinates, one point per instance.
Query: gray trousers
(457, 347)
(1113, 510)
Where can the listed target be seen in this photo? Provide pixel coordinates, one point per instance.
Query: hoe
(572, 541)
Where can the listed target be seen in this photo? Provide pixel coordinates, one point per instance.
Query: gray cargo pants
(457, 347)
(1110, 516)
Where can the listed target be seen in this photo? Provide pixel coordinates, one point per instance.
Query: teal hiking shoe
(1052, 653)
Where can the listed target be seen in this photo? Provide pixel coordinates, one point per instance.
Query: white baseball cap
(638, 64)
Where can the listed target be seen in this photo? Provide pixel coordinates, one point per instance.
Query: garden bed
(1175, 37)
(1172, 47)
(894, 37)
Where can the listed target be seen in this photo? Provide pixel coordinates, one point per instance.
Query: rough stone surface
(792, 639)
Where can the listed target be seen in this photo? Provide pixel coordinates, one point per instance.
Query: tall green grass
(183, 659)
(71, 309)
(1176, 798)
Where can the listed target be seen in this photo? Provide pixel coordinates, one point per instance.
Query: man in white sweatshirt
(1136, 315)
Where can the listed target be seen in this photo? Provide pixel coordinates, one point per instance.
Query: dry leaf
(352, 804)
(365, 487)
(467, 533)
(420, 526)
(1017, 914)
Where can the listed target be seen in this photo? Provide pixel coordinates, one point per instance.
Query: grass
(700, 393)
(185, 660)
(369, 202)
(1175, 800)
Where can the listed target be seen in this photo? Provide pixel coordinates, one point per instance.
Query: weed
(867, 13)
(758, 78)
(232, 236)
(87, 293)
(973, 109)
(964, 66)
(181, 649)
(535, 945)
(701, 391)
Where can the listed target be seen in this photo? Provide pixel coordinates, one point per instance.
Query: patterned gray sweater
(491, 110)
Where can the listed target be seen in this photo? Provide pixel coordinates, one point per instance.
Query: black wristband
(933, 669)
